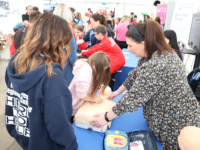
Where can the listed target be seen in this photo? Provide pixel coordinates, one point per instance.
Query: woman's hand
(117, 92)
(112, 95)
(99, 120)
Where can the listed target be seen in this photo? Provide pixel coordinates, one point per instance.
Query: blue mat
(90, 140)
(122, 73)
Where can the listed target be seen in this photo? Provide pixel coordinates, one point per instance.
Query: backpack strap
(90, 37)
(91, 33)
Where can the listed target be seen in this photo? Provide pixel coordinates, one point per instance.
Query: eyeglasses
(96, 33)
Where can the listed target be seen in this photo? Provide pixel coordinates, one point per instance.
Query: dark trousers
(111, 84)
(121, 44)
(72, 119)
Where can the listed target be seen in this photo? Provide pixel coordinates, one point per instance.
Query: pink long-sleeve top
(81, 84)
(121, 30)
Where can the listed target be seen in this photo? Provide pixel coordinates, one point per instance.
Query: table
(122, 73)
(90, 140)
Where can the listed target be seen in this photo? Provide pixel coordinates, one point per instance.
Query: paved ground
(6, 141)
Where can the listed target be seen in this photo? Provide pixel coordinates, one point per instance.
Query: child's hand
(98, 99)
(84, 51)
(79, 55)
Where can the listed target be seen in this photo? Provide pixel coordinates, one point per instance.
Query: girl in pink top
(121, 30)
(88, 77)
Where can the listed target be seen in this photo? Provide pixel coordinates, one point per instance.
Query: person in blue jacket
(78, 19)
(39, 103)
(64, 11)
(96, 20)
(70, 62)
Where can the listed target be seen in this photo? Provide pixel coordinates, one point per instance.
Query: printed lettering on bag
(21, 110)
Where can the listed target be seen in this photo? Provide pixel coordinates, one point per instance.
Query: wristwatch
(106, 118)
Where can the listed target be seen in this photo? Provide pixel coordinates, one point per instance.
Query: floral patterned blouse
(160, 86)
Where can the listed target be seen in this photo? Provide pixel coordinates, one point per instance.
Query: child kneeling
(88, 77)
(78, 34)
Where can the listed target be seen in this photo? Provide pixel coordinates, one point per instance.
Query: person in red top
(134, 20)
(21, 33)
(108, 46)
(117, 20)
(78, 34)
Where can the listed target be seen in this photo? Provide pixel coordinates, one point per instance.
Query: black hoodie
(38, 109)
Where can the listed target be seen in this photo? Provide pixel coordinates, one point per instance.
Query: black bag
(145, 137)
(194, 78)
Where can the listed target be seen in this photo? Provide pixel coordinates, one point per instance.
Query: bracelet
(106, 118)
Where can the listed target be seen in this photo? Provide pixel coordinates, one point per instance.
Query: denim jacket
(70, 62)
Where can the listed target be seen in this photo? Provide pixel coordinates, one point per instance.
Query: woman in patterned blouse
(159, 84)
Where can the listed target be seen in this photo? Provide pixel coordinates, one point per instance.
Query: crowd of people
(47, 82)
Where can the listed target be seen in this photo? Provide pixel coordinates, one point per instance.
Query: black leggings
(72, 119)
(121, 44)
(111, 84)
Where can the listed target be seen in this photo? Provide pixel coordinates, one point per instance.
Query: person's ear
(93, 66)
(143, 44)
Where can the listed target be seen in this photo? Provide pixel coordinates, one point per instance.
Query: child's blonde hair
(100, 64)
(125, 19)
(63, 11)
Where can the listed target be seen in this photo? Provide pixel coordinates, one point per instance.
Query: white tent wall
(137, 9)
(122, 7)
(17, 8)
(14, 16)
(38, 3)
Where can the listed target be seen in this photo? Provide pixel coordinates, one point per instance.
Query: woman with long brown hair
(39, 103)
(158, 83)
(96, 20)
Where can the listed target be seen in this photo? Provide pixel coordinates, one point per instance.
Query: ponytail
(100, 18)
(103, 21)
